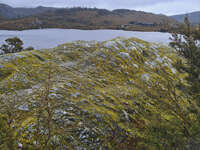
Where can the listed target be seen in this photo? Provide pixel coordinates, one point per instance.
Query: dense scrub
(121, 94)
(13, 45)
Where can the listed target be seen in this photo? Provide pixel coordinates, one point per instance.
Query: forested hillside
(82, 18)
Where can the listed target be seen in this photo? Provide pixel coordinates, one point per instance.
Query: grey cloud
(156, 6)
(95, 3)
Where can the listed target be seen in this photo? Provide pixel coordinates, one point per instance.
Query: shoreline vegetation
(179, 28)
(117, 27)
(88, 28)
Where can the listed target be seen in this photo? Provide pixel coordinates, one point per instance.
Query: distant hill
(83, 18)
(13, 13)
(194, 17)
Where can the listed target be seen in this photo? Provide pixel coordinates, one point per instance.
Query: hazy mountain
(89, 18)
(13, 13)
(194, 17)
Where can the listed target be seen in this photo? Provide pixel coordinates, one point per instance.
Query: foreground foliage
(188, 46)
(120, 94)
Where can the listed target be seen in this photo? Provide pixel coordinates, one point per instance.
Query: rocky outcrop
(106, 92)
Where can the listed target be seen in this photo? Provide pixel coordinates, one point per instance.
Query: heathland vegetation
(122, 94)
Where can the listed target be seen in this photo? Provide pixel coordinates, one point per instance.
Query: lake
(49, 38)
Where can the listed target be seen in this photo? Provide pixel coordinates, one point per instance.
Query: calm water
(49, 38)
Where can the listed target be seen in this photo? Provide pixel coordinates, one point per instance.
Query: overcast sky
(168, 7)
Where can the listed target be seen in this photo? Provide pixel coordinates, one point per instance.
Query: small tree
(13, 45)
(187, 45)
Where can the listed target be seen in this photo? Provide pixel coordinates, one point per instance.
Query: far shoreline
(84, 28)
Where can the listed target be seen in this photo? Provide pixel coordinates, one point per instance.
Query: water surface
(49, 38)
